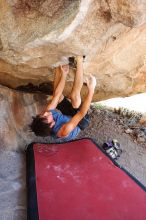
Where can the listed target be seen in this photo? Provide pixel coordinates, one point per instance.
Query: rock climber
(64, 118)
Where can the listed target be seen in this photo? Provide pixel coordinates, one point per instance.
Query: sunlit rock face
(37, 34)
(129, 12)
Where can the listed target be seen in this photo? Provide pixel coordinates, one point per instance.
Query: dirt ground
(106, 125)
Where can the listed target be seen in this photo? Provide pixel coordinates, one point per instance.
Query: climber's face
(48, 118)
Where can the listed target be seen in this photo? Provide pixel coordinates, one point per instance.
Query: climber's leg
(78, 83)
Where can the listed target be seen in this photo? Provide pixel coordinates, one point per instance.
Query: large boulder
(36, 34)
(16, 111)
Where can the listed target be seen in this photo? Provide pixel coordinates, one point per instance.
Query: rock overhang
(36, 35)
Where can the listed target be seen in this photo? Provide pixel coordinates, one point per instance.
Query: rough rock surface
(16, 111)
(36, 34)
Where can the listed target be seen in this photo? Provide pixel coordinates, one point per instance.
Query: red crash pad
(77, 181)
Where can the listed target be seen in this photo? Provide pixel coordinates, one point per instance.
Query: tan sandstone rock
(143, 120)
(35, 35)
(16, 111)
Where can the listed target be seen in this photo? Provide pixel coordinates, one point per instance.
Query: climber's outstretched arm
(59, 87)
(69, 126)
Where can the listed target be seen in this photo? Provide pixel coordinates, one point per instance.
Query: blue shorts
(66, 108)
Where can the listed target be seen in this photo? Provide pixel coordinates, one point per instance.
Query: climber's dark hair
(40, 127)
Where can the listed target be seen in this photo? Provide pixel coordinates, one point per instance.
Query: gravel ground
(106, 125)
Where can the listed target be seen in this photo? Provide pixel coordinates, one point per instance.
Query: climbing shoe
(73, 62)
(117, 146)
(112, 149)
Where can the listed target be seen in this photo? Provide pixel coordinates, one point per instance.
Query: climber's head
(42, 124)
